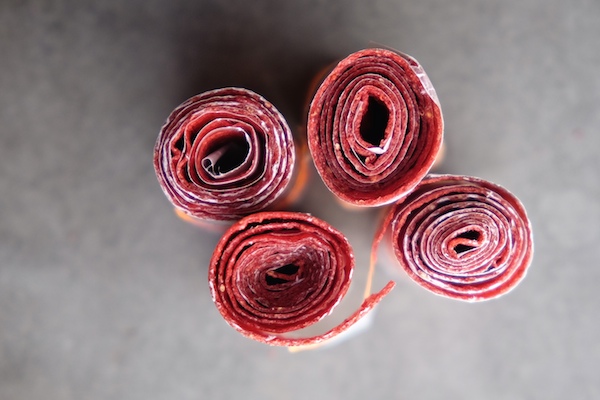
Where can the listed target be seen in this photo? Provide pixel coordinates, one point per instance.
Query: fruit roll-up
(224, 154)
(460, 237)
(374, 127)
(274, 273)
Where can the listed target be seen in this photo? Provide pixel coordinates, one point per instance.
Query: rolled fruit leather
(374, 127)
(460, 237)
(227, 153)
(273, 273)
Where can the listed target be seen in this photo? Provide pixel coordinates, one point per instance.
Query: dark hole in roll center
(374, 122)
(227, 157)
(234, 156)
(461, 248)
(274, 277)
(472, 235)
(288, 269)
(469, 235)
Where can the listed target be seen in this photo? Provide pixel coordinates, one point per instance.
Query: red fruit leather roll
(273, 273)
(224, 154)
(374, 127)
(460, 237)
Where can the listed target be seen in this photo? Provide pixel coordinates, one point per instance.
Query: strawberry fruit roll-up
(460, 237)
(273, 273)
(374, 127)
(224, 154)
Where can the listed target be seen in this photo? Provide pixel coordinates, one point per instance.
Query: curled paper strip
(273, 273)
(224, 154)
(374, 127)
(461, 237)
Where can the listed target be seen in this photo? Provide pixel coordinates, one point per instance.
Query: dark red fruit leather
(461, 237)
(224, 154)
(277, 272)
(374, 127)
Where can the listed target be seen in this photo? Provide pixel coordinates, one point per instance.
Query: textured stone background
(103, 292)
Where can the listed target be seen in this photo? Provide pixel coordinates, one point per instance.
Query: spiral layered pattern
(277, 272)
(462, 237)
(224, 154)
(374, 127)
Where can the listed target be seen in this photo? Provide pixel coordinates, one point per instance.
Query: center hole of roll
(281, 275)
(227, 156)
(463, 247)
(374, 121)
(471, 235)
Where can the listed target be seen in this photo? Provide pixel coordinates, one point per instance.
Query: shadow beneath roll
(242, 46)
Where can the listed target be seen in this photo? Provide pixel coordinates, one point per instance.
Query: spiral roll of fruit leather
(460, 237)
(224, 154)
(374, 127)
(273, 273)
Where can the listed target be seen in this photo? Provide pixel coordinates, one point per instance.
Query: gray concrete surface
(103, 292)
